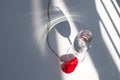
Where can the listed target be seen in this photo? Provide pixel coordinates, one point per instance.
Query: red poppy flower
(69, 66)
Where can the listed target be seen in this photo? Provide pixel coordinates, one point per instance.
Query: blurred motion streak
(39, 25)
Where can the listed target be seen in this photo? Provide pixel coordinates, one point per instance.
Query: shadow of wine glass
(64, 29)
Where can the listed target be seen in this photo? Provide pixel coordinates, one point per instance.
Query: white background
(24, 54)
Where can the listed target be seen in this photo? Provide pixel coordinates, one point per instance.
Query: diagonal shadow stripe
(110, 18)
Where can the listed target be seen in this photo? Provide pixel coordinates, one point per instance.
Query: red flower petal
(69, 66)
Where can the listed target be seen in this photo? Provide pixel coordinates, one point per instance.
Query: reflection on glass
(82, 41)
(76, 53)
